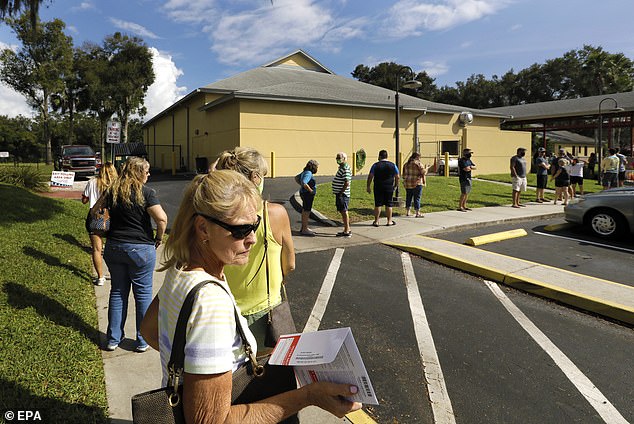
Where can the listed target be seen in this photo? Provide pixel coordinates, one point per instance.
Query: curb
(578, 300)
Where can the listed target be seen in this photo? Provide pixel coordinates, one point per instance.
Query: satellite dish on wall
(465, 118)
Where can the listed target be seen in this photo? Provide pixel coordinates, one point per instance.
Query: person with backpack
(307, 193)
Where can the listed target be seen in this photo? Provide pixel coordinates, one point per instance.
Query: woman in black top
(131, 248)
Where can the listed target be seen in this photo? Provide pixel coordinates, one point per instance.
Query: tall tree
(385, 74)
(131, 63)
(37, 70)
(15, 7)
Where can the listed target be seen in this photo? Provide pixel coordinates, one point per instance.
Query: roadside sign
(62, 179)
(113, 132)
(4, 154)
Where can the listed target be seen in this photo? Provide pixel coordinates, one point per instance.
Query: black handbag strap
(177, 356)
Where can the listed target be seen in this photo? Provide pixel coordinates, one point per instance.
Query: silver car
(609, 213)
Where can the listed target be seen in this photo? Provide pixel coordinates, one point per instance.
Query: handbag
(252, 382)
(279, 319)
(99, 216)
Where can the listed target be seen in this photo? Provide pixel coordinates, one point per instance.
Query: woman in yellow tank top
(248, 282)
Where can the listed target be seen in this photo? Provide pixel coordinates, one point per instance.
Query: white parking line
(609, 246)
(314, 320)
(592, 394)
(440, 402)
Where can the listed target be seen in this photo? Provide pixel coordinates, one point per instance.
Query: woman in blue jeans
(131, 247)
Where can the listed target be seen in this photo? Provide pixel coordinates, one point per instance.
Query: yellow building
(294, 109)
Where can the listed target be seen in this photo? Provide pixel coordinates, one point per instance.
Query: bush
(24, 176)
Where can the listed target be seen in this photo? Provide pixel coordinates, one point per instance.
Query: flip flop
(375, 224)
(389, 224)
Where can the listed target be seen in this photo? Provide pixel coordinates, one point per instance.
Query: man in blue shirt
(386, 176)
(465, 165)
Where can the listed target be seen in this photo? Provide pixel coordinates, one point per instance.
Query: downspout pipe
(417, 144)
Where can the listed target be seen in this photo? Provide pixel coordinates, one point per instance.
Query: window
(450, 146)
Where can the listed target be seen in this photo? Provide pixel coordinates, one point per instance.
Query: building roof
(567, 137)
(585, 106)
(297, 77)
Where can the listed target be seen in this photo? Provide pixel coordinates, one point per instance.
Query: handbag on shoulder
(99, 216)
(255, 381)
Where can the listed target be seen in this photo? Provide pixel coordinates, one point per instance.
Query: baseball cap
(541, 149)
(562, 150)
(467, 151)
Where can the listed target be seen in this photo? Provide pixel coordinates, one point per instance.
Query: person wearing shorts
(385, 175)
(341, 190)
(465, 165)
(575, 169)
(518, 176)
(562, 181)
(542, 165)
(307, 194)
(622, 166)
(610, 168)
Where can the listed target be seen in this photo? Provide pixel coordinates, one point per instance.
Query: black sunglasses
(239, 232)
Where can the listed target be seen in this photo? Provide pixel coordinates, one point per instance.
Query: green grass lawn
(49, 355)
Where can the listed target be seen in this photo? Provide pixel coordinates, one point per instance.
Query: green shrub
(24, 176)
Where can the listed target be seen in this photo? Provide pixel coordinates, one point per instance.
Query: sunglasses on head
(239, 232)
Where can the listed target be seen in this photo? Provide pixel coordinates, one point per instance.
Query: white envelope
(326, 355)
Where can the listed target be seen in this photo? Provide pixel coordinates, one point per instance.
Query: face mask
(261, 185)
(339, 161)
(521, 154)
(468, 155)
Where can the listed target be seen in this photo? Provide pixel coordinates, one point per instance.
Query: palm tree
(13, 7)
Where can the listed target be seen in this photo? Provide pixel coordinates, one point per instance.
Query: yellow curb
(495, 237)
(557, 227)
(359, 417)
(609, 309)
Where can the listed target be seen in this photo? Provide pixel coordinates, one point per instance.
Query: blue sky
(198, 42)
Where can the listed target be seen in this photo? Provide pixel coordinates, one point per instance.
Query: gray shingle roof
(585, 106)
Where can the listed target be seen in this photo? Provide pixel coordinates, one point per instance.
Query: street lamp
(599, 145)
(408, 84)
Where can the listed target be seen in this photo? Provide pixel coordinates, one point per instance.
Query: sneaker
(100, 281)
(344, 234)
(112, 346)
(141, 349)
(309, 233)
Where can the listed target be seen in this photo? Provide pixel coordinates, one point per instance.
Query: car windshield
(78, 151)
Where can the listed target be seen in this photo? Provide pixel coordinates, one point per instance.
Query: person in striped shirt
(215, 226)
(341, 190)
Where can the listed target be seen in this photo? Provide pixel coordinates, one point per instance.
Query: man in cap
(542, 165)
(518, 176)
(465, 165)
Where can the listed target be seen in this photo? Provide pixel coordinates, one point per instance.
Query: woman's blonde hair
(221, 194)
(130, 182)
(245, 160)
(106, 177)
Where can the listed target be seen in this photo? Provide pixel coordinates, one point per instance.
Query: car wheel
(606, 223)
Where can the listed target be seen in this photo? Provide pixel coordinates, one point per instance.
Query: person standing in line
(341, 189)
(622, 166)
(562, 181)
(465, 166)
(385, 175)
(92, 192)
(414, 179)
(307, 193)
(131, 249)
(554, 165)
(274, 244)
(592, 161)
(610, 168)
(518, 176)
(575, 169)
(542, 165)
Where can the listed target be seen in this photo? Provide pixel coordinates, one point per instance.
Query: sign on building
(113, 132)
(4, 154)
(62, 179)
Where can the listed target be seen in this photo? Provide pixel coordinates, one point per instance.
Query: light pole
(408, 84)
(599, 145)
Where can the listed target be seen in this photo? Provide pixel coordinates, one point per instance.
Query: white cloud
(185, 11)
(434, 69)
(12, 103)
(85, 5)
(133, 28)
(411, 17)
(164, 91)
(516, 27)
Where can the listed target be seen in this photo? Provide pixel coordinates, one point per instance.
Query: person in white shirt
(575, 169)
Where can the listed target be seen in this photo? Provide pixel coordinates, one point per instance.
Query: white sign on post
(113, 132)
(4, 154)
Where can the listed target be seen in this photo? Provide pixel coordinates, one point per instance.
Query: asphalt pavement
(128, 373)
